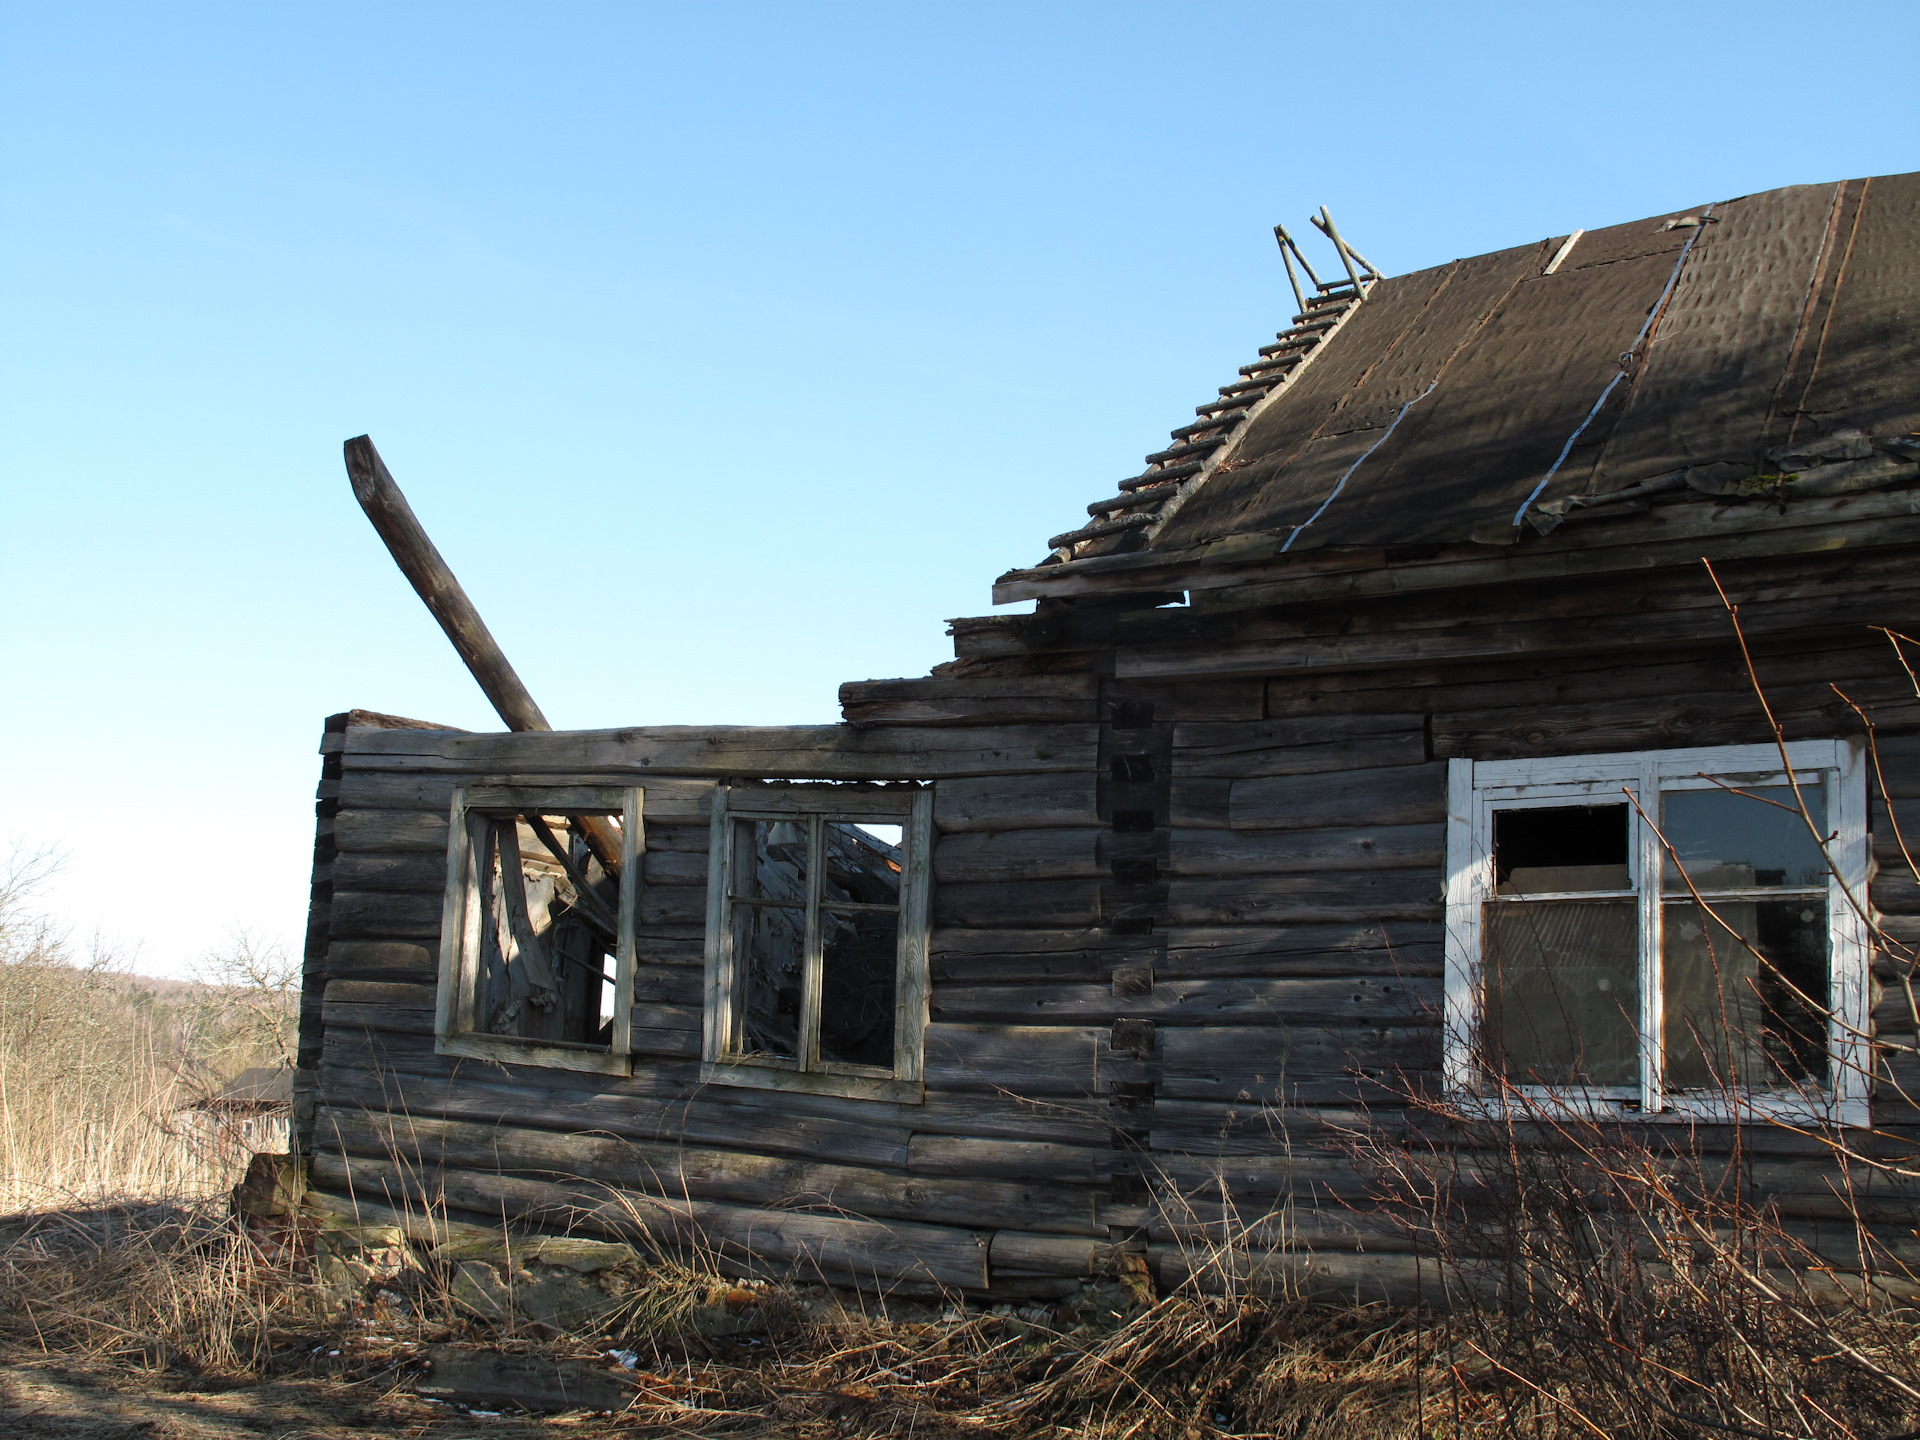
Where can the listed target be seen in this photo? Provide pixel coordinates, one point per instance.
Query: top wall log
(799, 752)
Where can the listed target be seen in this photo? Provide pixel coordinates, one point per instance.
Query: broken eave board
(1670, 535)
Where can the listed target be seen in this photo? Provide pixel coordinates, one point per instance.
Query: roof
(262, 1087)
(1743, 353)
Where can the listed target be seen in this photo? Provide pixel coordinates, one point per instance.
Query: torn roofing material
(1684, 353)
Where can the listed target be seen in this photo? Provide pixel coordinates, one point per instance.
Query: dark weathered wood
(1275, 1064)
(804, 1244)
(1386, 999)
(376, 915)
(419, 874)
(1370, 947)
(1269, 852)
(826, 752)
(1017, 1060)
(1297, 746)
(1319, 897)
(671, 1170)
(1022, 700)
(1397, 795)
(1074, 903)
(392, 831)
(963, 1155)
(376, 960)
(997, 802)
(1016, 855)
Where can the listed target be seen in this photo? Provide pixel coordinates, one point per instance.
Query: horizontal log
(1387, 637)
(673, 867)
(402, 831)
(380, 960)
(1078, 954)
(370, 790)
(680, 1171)
(826, 752)
(1319, 897)
(1083, 1121)
(970, 1156)
(420, 874)
(1018, 1254)
(1242, 1000)
(1204, 1128)
(1016, 855)
(388, 1019)
(682, 985)
(1016, 1060)
(1026, 802)
(1271, 852)
(1273, 1064)
(1368, 947)
(380, 992)
(372, 915)
(1328, 1277)
(984, 700)
(1298, 746)
(1023, 905)
(1396, 795)
(785, 1242)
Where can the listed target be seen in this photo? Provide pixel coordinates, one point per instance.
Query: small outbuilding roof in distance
(261, 1087)
(1727, 351)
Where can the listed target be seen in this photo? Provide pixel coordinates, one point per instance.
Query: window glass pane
(1729, 841)
(1546, 848)
(1731, 1019)
(1562, 980)
(859, 956)
(769, 943)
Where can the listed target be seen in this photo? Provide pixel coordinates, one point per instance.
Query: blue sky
(726, 350)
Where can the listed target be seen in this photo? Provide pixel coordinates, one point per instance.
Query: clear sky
(726, 350)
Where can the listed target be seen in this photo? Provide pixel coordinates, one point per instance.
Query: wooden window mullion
(809, 1047)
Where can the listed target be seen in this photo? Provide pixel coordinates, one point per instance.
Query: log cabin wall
(1186, 923)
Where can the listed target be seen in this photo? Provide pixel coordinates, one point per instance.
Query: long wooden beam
(434, 582)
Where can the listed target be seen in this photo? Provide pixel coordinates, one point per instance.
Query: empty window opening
(546, 915)
(536, 959)
(1543, 849)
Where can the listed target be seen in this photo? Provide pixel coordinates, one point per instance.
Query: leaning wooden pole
(433, 581)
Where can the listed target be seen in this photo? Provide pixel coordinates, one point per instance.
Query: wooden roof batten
(1148, 500)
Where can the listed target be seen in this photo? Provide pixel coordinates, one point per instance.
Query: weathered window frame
(911, 808)
(459, 926)
(1475, 789)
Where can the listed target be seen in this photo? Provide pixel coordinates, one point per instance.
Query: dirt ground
(54, 1398)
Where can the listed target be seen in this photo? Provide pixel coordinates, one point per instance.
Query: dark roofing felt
(1723, 337)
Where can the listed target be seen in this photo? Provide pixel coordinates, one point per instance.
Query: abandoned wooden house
(1335, 765)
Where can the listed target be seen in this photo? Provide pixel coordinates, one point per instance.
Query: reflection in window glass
(1755, 838)
(1730, 1019)
(1562, 995)
(1542, 849)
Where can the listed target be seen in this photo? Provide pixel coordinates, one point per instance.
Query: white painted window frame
(912, 810)
(1476, 788)
(460, 926)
